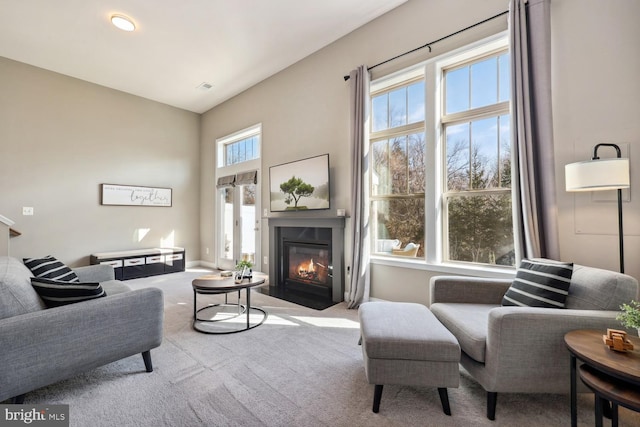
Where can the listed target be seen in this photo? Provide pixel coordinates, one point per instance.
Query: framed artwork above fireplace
(300, 185)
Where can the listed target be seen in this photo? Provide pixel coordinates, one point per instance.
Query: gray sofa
(522, 349)
(40, 346)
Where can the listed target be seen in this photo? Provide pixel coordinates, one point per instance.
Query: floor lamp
(601, 174)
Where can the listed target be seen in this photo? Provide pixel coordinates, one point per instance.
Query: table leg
(598, 413)
(248, 305)
(574, 398)
(194, 305)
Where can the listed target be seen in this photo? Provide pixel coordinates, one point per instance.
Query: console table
(142, 262)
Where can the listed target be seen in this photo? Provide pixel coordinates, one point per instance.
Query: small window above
(240, 147)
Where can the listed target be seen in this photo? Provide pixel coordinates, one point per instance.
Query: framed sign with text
(131, 195)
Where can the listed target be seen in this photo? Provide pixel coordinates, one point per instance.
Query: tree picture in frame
(300, 185)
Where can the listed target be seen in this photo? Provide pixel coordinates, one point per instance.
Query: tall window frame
(436, 197)
(238, 201)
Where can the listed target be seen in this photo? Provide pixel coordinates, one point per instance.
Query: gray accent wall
(61, 137)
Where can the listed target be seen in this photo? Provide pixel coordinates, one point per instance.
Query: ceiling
(177, 45)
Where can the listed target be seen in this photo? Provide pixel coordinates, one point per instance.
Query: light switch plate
(27, 210)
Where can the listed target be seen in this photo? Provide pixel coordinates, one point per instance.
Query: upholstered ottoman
(404, 344)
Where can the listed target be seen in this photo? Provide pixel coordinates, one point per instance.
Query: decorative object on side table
(243, 271)
(630, 316)
(617, 340)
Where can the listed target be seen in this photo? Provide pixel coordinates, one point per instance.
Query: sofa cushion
(469, 323)
(55, 293)
(540, 283)
(17, 296)
(50, 268)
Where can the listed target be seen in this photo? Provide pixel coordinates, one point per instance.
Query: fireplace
(306, 261)
(306, 266)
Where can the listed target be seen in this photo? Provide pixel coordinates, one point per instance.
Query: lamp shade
(599, 174)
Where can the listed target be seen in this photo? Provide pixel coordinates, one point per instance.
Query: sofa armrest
(473, 290)
(47, 346)
(525, 348)
(95, 273)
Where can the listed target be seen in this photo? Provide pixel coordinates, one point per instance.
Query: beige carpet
(302, 367)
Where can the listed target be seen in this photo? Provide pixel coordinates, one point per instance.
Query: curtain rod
(434, 42)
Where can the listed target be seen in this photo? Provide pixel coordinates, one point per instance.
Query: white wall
(596, 99)
(60, 138)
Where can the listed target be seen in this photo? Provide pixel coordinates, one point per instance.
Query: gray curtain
(359, 103)
(533, 174)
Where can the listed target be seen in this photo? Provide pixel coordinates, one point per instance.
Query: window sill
(466, 270)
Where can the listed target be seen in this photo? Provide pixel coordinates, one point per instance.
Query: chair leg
(444, 399)
(18, 400)
(146, 356)
(614, 414)
(492, 400)
(377, 395)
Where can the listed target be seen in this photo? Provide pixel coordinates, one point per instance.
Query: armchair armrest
(525, 348)
(473, 290)
(95, 273)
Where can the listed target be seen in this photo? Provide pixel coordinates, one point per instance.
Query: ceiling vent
(204, 86)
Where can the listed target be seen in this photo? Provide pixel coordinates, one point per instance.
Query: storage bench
(137, 263)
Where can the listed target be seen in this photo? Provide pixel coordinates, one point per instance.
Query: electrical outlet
(206, 250)
(27, 210)
(265, 260)
(265, 212)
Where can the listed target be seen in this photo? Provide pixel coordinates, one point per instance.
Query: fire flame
(310, 268)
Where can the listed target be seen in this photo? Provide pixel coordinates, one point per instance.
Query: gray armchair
(521, 349)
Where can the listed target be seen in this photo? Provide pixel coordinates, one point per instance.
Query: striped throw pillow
(50, 268)
(540, 283)
(55, 293)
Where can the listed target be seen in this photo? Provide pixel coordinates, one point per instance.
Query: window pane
(484, 155)
(505, 151)
(480, 229)
(416, 150)
(504, 77)
(398, 107)
(457, 90)
(380, 176)
(401, 219)
(484, 83)
(227, 223)
(380, 113)
(398, 161)
(457, 140)
(241, 151)
(415, 96)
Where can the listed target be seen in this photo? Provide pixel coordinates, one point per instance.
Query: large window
(397, 155)
(452, 197)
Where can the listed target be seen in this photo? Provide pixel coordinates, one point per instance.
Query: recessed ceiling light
(123, 22)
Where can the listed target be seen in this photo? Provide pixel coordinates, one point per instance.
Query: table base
(226, 322)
